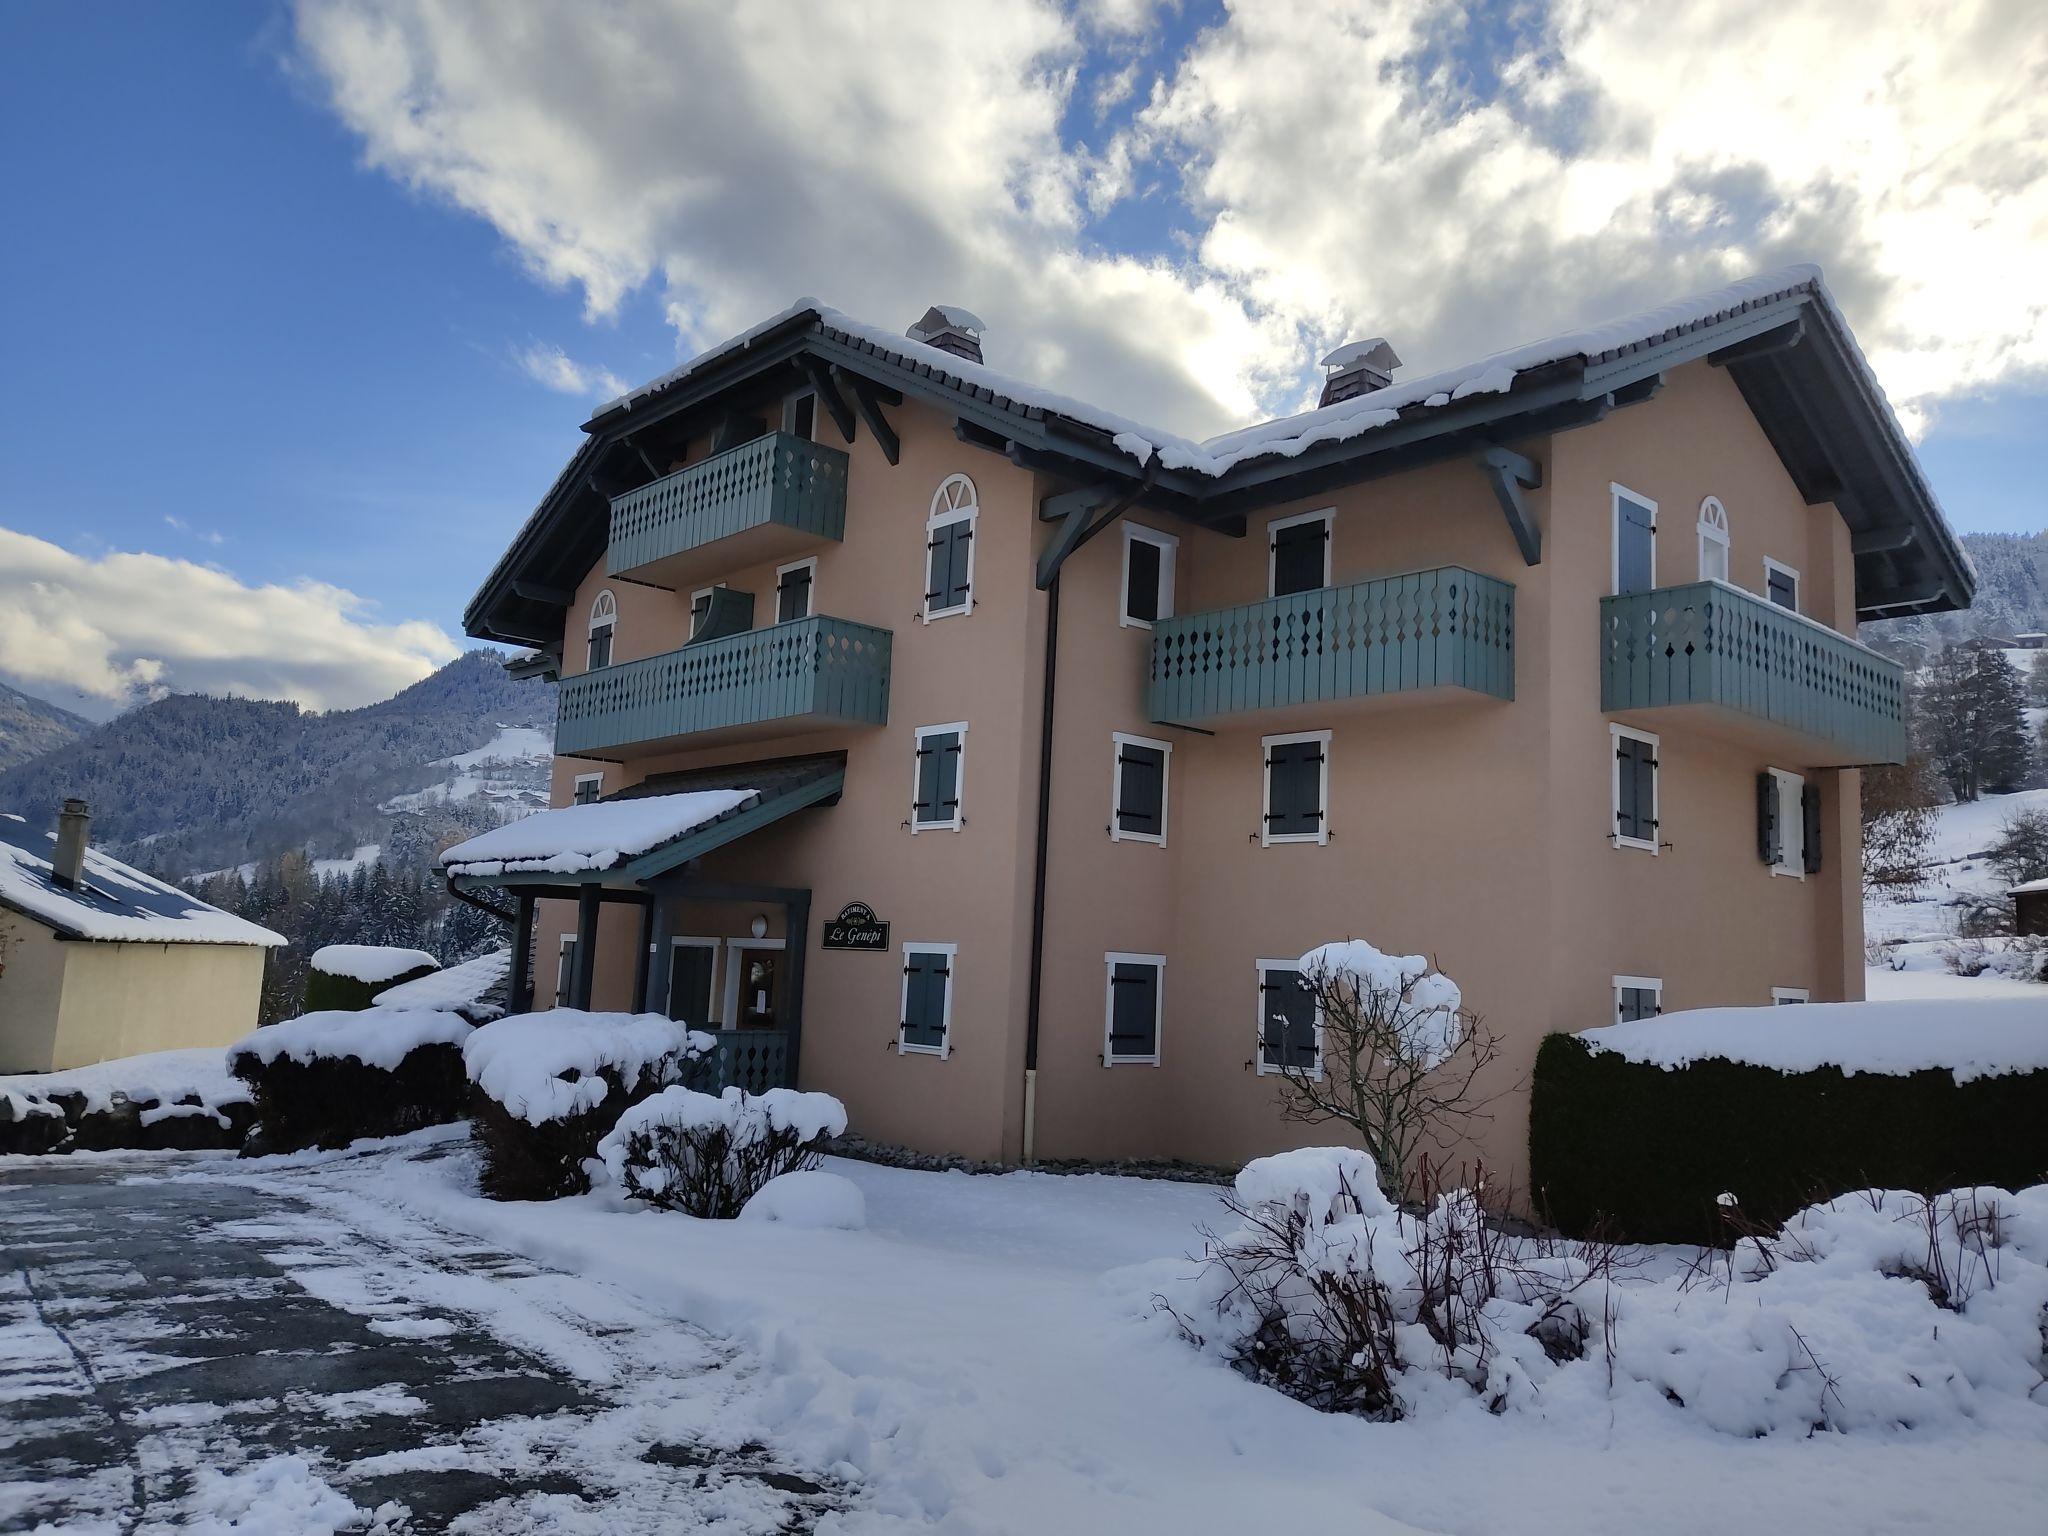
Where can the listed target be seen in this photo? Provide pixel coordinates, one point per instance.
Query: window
(1713, 540)
(565, 969)
(1298, 558)
(1635, 788)
(1297, 785)
(1637, 997)
(692, 967)
(1635, 540)
(1148, 576)
(927, 1027)
(588, 787)
(1781, 584)
(700, 610)
(1783, 995)
(604, 618)
(1130, 1017)
(1137, 789)
(800, 414)
(935, 786)
(1787, 823)
(793, 584)
(1289, 1037)
(949, 543)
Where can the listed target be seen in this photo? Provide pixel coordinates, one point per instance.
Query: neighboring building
(2031, 640)
(2030, 908)
(99, 961)
(989, 756)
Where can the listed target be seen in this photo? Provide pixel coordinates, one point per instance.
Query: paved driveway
(185, 1349)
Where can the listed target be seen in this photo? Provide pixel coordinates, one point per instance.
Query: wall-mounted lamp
(760, 926)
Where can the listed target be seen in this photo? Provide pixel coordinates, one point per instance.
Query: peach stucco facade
(1473, 829)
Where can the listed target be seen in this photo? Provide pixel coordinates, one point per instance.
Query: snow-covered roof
(588, 839)
(2030, 886)
(466, 988)
(1971, 1038)
(116, 903)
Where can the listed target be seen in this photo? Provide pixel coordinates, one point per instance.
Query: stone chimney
(67, 864)
(1359, 368)
(951, 329)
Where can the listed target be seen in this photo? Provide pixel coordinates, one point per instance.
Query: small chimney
(951, 329)
(1359, 368)
(67, 865)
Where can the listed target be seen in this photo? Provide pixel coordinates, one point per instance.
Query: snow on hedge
(377, 1037)
(547, 1066)
(709, 1155)
(577, 839)
(159, 1077)
(1972, 1038)
(460, 988)
(748, 1117)
(371, 963)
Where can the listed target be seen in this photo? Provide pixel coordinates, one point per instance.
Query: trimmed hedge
(121, 1126)
(1647, 1150)
(523, 1161)
(344, 994)
(332, 1101)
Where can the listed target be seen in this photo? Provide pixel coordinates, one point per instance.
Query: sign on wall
(857, 927)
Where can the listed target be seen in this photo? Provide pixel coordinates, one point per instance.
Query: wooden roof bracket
(828, 394)
(1076, 508)
(1509, 473)
(868, 399)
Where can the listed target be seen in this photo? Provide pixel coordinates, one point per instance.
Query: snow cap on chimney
(1358, 368)
(951, 329)
(67, 864)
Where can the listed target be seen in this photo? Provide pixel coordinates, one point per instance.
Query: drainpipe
(1045, 720)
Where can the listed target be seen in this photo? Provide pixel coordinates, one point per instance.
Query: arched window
(604, 618)
(1713, 540)
(949, 548)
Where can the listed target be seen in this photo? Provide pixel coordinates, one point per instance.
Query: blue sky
(269, 293)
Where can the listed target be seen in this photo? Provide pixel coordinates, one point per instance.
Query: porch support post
(642, 954)
(796, 924)
(519, 985)
(661, 924)
(585, 963)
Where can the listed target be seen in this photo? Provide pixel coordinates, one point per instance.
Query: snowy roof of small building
(116, 903)
(2029, 887)
(470, 988)
(588, 839)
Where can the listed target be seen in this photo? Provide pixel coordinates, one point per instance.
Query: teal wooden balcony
(1708, 654)
(813, 674)
(1447, 628)
(775, 497)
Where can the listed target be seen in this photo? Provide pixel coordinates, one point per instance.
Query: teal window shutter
(1298, 557)
(938, 779)
(927, 974)
(689, 984)
(1635, 532)
(946, 584)
(1287, 1022)
(1141, 592)
(1809, 813)
(1294, 789)
(1141, 790)
(1134, 1010)
(1767, 833)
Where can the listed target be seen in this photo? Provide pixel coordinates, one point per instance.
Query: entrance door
(689, 981)
(753, 984)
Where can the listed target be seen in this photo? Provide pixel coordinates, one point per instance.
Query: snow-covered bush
(809, 1198)
(1877, 1310)
(327, 1079)
(546, 1088)
(705, 1156)
(344, 977)
(2023, 959)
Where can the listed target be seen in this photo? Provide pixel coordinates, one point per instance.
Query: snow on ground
(365, 855)
(159, 1077)
(512, 744)
(985, 1357)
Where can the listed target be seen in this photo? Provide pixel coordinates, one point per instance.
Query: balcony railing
(809, 674)
(779, 491)
(1443, 628)
(751, 1059)
(1712, 644)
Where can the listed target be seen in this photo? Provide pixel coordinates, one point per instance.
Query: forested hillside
(29, 727)
(2012, 596)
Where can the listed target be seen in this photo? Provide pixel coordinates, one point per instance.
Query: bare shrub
(704, 1156)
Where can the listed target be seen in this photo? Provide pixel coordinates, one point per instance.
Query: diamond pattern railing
(775, 478)
(751, 1059)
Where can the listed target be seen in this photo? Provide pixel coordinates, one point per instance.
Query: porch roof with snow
(1779, 334)
(660, 825)
(115, 904)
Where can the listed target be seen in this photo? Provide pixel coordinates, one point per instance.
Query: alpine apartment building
(984, 758)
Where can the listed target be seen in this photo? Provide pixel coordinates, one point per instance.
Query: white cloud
(547, 364)
(1339, 169)
(210, 536)
(122, 627)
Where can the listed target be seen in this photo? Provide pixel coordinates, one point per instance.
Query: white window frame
(700, 592)
(1615, 491)
(691, 941)
(1327, 516)
(1110, 962)
(789, 408)
(1714, 531)
(1118, 741)
(1614, 734)
(731, 967)
(1259, 1020)
(1321, 836)
(1169, 554)
(1782, 569)
(1790, 995)
(565, 969)
(604, 614)
(582, 779)
(1652, 984)
(947, 509)
(952, 953)
(959, 779)
(1791, 788)
(776, 591)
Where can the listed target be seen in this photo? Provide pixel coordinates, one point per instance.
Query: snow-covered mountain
(29, 727)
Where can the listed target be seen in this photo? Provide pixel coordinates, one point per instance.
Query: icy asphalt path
(191, 1353)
